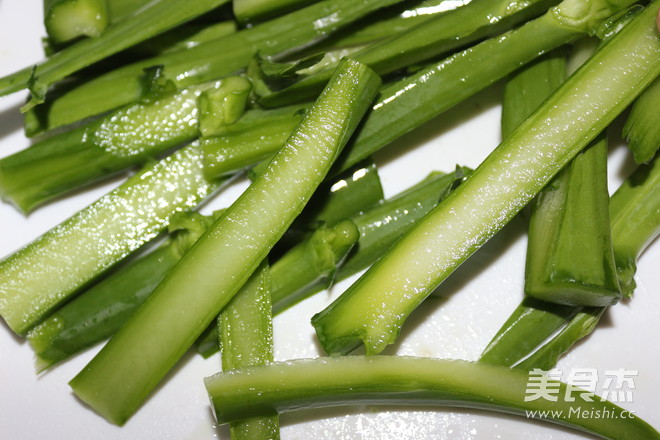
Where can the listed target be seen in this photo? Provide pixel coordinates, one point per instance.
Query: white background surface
(469, 309)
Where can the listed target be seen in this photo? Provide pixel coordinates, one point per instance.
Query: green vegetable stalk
(251, 11)
(100, 148)
(529, 326)
(387, 23)
(185, 36)
(436, 36)
(157, 17)
(569, 253)
(635, 217)
(401, 380)
(101, 310)
(414, 100)
(42, 275)
(533, 321)
(373, 310)
(208, 61)
(69, 19)
(329, 256)
(210, 274)
(311, 265)
(642, 129)
(538, 333)
(253, 138)
(245, 328)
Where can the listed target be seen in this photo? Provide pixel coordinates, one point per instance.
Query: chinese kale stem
(253, 138)
(406, 104)
(216, 267)
(245, 329)
(157, 17)
(208, 61)
(373, 309)
(252, 11)
(635, 218)
(530, 324)
(533, 321)
(66, 20)
(386, 24)
(46, 272)
(635, 222)
(569, 253)
(642, 129)
(401, 380)
(307, 256)
(437, 36)
(101, 310)
(378, 229)
(311, 266)
(122, 139)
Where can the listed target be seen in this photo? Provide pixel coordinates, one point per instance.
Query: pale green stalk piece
(69, 19)
(373, 310)
(245, 329)
(58, 264)
(402, 380)
(114, 383)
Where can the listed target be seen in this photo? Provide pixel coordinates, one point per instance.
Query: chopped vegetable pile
(287, 117)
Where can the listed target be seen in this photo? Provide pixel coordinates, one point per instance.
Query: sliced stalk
(209, 61)
(527, 88)
(254, 138)
(349, 194)
(387, 23)
(401, 380)
(569, 253)
(121, 9)
(547, 355)
(408, 103)
(642, 129)
(57, 265)
(300, 272)
(373, 310)
(100, 311)
(252, 11)
(353, 192)
(533, 321)
(224, 105)
(635, 219)
(378, 228)
(530, 324)
(66, 20)
(383, 225)
(311, 266)
(101, 148)
(120, 140)
(193, 294)
(245, 328)
(437, 36)
(156, 17)
(317, 249)
(185, 36)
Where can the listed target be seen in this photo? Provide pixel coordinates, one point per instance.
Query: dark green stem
(642, 129)
(209, 61)
(434, 37)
